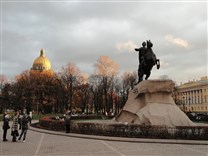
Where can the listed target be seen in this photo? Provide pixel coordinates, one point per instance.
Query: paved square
(41, 144)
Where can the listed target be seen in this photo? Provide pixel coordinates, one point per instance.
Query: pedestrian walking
(14, 129)
(67, 121)
(5, 125)
(24, 127)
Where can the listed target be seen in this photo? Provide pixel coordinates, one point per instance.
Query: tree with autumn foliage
(108, 70)
(49, 92)
(35, 90)
(70, 78)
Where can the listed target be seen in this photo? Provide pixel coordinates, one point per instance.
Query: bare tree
(95, 82)
(3, 83)
(3, 80)
(118, 89)
(128, 81)
(164, 77)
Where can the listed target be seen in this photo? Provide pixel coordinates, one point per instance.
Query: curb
(121, 139)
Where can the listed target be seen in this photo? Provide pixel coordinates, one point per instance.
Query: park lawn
(38, 116)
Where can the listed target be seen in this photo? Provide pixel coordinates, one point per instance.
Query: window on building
(205, 98)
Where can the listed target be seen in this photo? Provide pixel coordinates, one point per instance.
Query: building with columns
(193, 95)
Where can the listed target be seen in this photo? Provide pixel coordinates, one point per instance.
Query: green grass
(38, 116)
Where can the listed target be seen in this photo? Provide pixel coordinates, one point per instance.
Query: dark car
(191, 115)
(202, 117)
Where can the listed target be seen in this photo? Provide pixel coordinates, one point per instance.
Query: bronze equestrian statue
(147, 59)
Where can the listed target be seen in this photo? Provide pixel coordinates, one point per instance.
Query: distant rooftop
(202, 81)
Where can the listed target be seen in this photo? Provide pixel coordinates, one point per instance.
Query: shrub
(192, 132)
(51, 124)
(128, 130)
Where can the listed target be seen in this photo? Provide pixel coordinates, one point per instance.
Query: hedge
(51, 124)
(128, 130)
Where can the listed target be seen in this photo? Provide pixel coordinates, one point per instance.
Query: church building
(42, 64)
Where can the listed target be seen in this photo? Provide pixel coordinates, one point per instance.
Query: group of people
(20, 122)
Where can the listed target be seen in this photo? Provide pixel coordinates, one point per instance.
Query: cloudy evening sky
(82, 31)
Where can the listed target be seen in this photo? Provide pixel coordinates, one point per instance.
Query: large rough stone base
(151, 103)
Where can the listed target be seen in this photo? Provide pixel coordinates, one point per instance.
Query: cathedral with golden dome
(42, 64)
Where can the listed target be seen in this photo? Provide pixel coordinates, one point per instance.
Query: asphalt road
(43, 144)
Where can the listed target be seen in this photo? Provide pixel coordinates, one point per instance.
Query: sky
(82, 31)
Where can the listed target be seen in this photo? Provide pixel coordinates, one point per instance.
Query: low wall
(128, 130)
(57, 123)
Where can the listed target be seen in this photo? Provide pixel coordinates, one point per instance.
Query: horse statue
(147, 59)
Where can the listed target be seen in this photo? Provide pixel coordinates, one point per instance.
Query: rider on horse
(147, 59)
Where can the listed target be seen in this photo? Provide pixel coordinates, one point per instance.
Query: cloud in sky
(164, 64)
(128, 46)
(81, 32)
(177, 41)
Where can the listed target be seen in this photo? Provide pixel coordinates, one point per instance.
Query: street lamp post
(189, 103)
(183, 101)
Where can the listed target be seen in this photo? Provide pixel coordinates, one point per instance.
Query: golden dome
(41, 63)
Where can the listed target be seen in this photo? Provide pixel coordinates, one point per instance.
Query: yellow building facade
(193, 95)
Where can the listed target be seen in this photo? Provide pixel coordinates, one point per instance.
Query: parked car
(202, 117)
(197, 116)
(191, 115)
